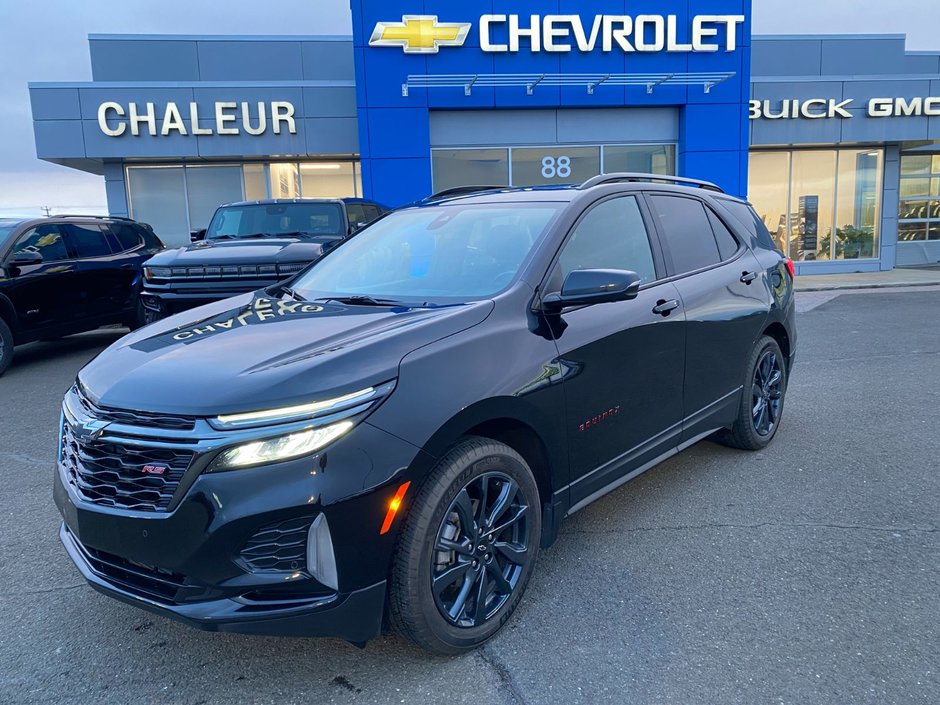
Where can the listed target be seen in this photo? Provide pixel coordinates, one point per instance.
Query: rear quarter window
(127, 235)
(744, 215)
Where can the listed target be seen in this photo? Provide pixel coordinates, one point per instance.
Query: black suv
(397, 432)
(69, 274)
(248, 246)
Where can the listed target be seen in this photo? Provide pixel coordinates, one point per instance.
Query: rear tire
(761, 406)
(6, 346)
(481, 502)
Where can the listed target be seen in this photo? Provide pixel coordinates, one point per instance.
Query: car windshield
(274, 219)
(5, 230)
(440, 252)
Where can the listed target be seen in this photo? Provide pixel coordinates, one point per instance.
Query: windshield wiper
(361, 300)
(292, 293)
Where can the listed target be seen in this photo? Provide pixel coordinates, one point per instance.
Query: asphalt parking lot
(807, 573)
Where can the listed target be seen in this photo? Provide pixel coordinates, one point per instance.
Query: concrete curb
(879, 285)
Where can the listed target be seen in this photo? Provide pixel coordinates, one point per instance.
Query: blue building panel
(387, 115)
(55, 104)
(138, 59)
(328, 60)
(250, 61)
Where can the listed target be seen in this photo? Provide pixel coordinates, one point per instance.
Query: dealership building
(834, 138)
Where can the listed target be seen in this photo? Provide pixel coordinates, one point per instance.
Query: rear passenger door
(99, 270)
(724, 311)
(625, 360)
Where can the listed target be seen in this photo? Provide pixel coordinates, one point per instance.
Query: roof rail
(462, 190)
(85, 215)
(621, 177)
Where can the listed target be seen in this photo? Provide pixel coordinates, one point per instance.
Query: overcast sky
(46, 40)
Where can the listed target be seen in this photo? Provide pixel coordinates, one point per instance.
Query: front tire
(6, 346)
(761, 405)
(467, 550)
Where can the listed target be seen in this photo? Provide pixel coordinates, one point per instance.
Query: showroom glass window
(552, 165)
(177, 199)
(819, 204)
(919, 211)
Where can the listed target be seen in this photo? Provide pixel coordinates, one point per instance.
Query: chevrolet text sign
(424, 34)
(227, 118)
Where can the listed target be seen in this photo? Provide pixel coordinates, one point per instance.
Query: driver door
(42, 294)
(624, 396)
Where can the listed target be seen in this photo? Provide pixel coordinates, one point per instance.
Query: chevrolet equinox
(391, 436)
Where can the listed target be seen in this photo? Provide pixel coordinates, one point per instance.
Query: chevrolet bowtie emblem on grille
(419, 34)
(91, 430)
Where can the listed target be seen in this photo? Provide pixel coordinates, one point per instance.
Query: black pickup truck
(248, 246)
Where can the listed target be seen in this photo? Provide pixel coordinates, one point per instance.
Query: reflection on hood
(259, 310)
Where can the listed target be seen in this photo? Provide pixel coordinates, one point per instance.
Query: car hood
(262, 250)
(254, 352)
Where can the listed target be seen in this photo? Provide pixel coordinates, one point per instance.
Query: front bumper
(165, 300)
(356, 616)
(189, 561)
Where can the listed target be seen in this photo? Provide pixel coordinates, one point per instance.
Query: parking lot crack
(39, 591)
(767, 524)
(504, 678)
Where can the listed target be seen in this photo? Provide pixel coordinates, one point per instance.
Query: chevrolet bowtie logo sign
(419, 34)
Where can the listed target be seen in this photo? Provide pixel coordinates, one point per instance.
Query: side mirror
(25, 258)
(585, 287)
(197, 235)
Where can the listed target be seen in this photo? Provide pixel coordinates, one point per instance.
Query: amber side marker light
(393, 507)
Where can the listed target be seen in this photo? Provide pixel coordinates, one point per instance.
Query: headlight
(156, 273)
(346, 405)
(275, 450)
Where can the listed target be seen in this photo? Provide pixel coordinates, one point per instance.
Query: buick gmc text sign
(821, 108)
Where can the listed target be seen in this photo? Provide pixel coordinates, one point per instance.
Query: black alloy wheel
(767, 393)
(6, 346)
(481, 550)
(760, 406)
(467, 547)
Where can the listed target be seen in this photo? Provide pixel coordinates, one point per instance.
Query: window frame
(71, 244)
(667, 253)
(552, 281)
(70, 254)
(136, 229)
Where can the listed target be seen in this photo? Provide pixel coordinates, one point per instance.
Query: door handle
(664, 308)
(748, 277)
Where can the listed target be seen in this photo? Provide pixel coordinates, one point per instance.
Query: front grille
(112, 474)
(280, 547)
(135, 577)
(230, 272)
(136, 418)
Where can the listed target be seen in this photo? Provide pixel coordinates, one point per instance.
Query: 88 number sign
(556, 168)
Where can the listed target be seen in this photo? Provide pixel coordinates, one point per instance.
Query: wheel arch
(522, 428)
(778, 332)
(8, 314)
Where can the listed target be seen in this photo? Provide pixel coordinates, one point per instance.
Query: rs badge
(154, 469)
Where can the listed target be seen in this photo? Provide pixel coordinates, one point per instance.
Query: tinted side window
(727, 244)
(611, 236)
(87, 240)
(44, 239)
(127, 235)
(749, 219)
(372, 212)
(687, 232)
(356, 213)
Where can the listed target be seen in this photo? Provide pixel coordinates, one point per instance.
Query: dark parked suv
(248, 246)
(69, 274)
(397, 432)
